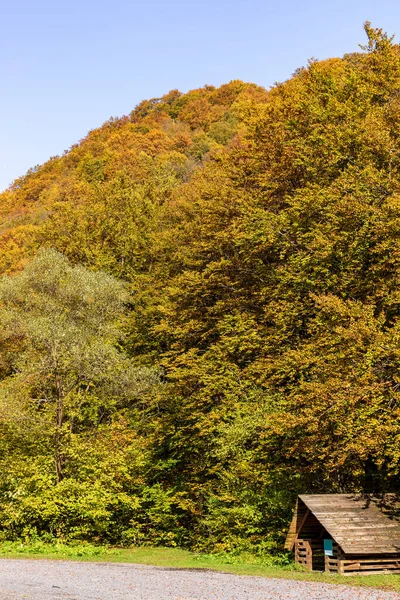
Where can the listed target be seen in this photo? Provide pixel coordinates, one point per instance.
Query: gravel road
(62, 580)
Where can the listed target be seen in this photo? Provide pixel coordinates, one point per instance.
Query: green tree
(69, 380)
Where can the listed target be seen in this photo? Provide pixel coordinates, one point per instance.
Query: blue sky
(67, 66)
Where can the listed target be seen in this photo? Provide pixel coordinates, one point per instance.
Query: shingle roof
(357, 524)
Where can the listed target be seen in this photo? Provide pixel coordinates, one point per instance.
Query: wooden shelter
(346, 534)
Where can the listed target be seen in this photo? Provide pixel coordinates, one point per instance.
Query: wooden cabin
(346, 534)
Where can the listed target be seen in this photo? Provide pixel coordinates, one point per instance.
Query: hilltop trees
(257, 235)
(281, 303)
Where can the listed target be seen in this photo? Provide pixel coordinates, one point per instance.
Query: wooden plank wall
(303, 553)
(344, 565)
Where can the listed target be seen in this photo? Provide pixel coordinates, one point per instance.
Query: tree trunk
(57, 434)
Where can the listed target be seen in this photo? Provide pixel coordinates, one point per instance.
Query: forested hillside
(200, 312)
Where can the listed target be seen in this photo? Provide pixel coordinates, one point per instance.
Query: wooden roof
(359, 525)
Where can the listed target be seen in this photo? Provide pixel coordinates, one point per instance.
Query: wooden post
(340, 565)
(327, 569)
(308, 556)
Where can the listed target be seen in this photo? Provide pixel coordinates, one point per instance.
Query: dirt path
(62, 580)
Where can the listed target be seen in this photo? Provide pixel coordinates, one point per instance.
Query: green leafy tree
(69, 379)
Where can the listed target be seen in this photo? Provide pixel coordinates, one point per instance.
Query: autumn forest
(200, 313)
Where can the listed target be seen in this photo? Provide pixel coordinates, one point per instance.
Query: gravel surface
(57, 580)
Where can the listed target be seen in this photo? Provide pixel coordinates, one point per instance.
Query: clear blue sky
(67, 66)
